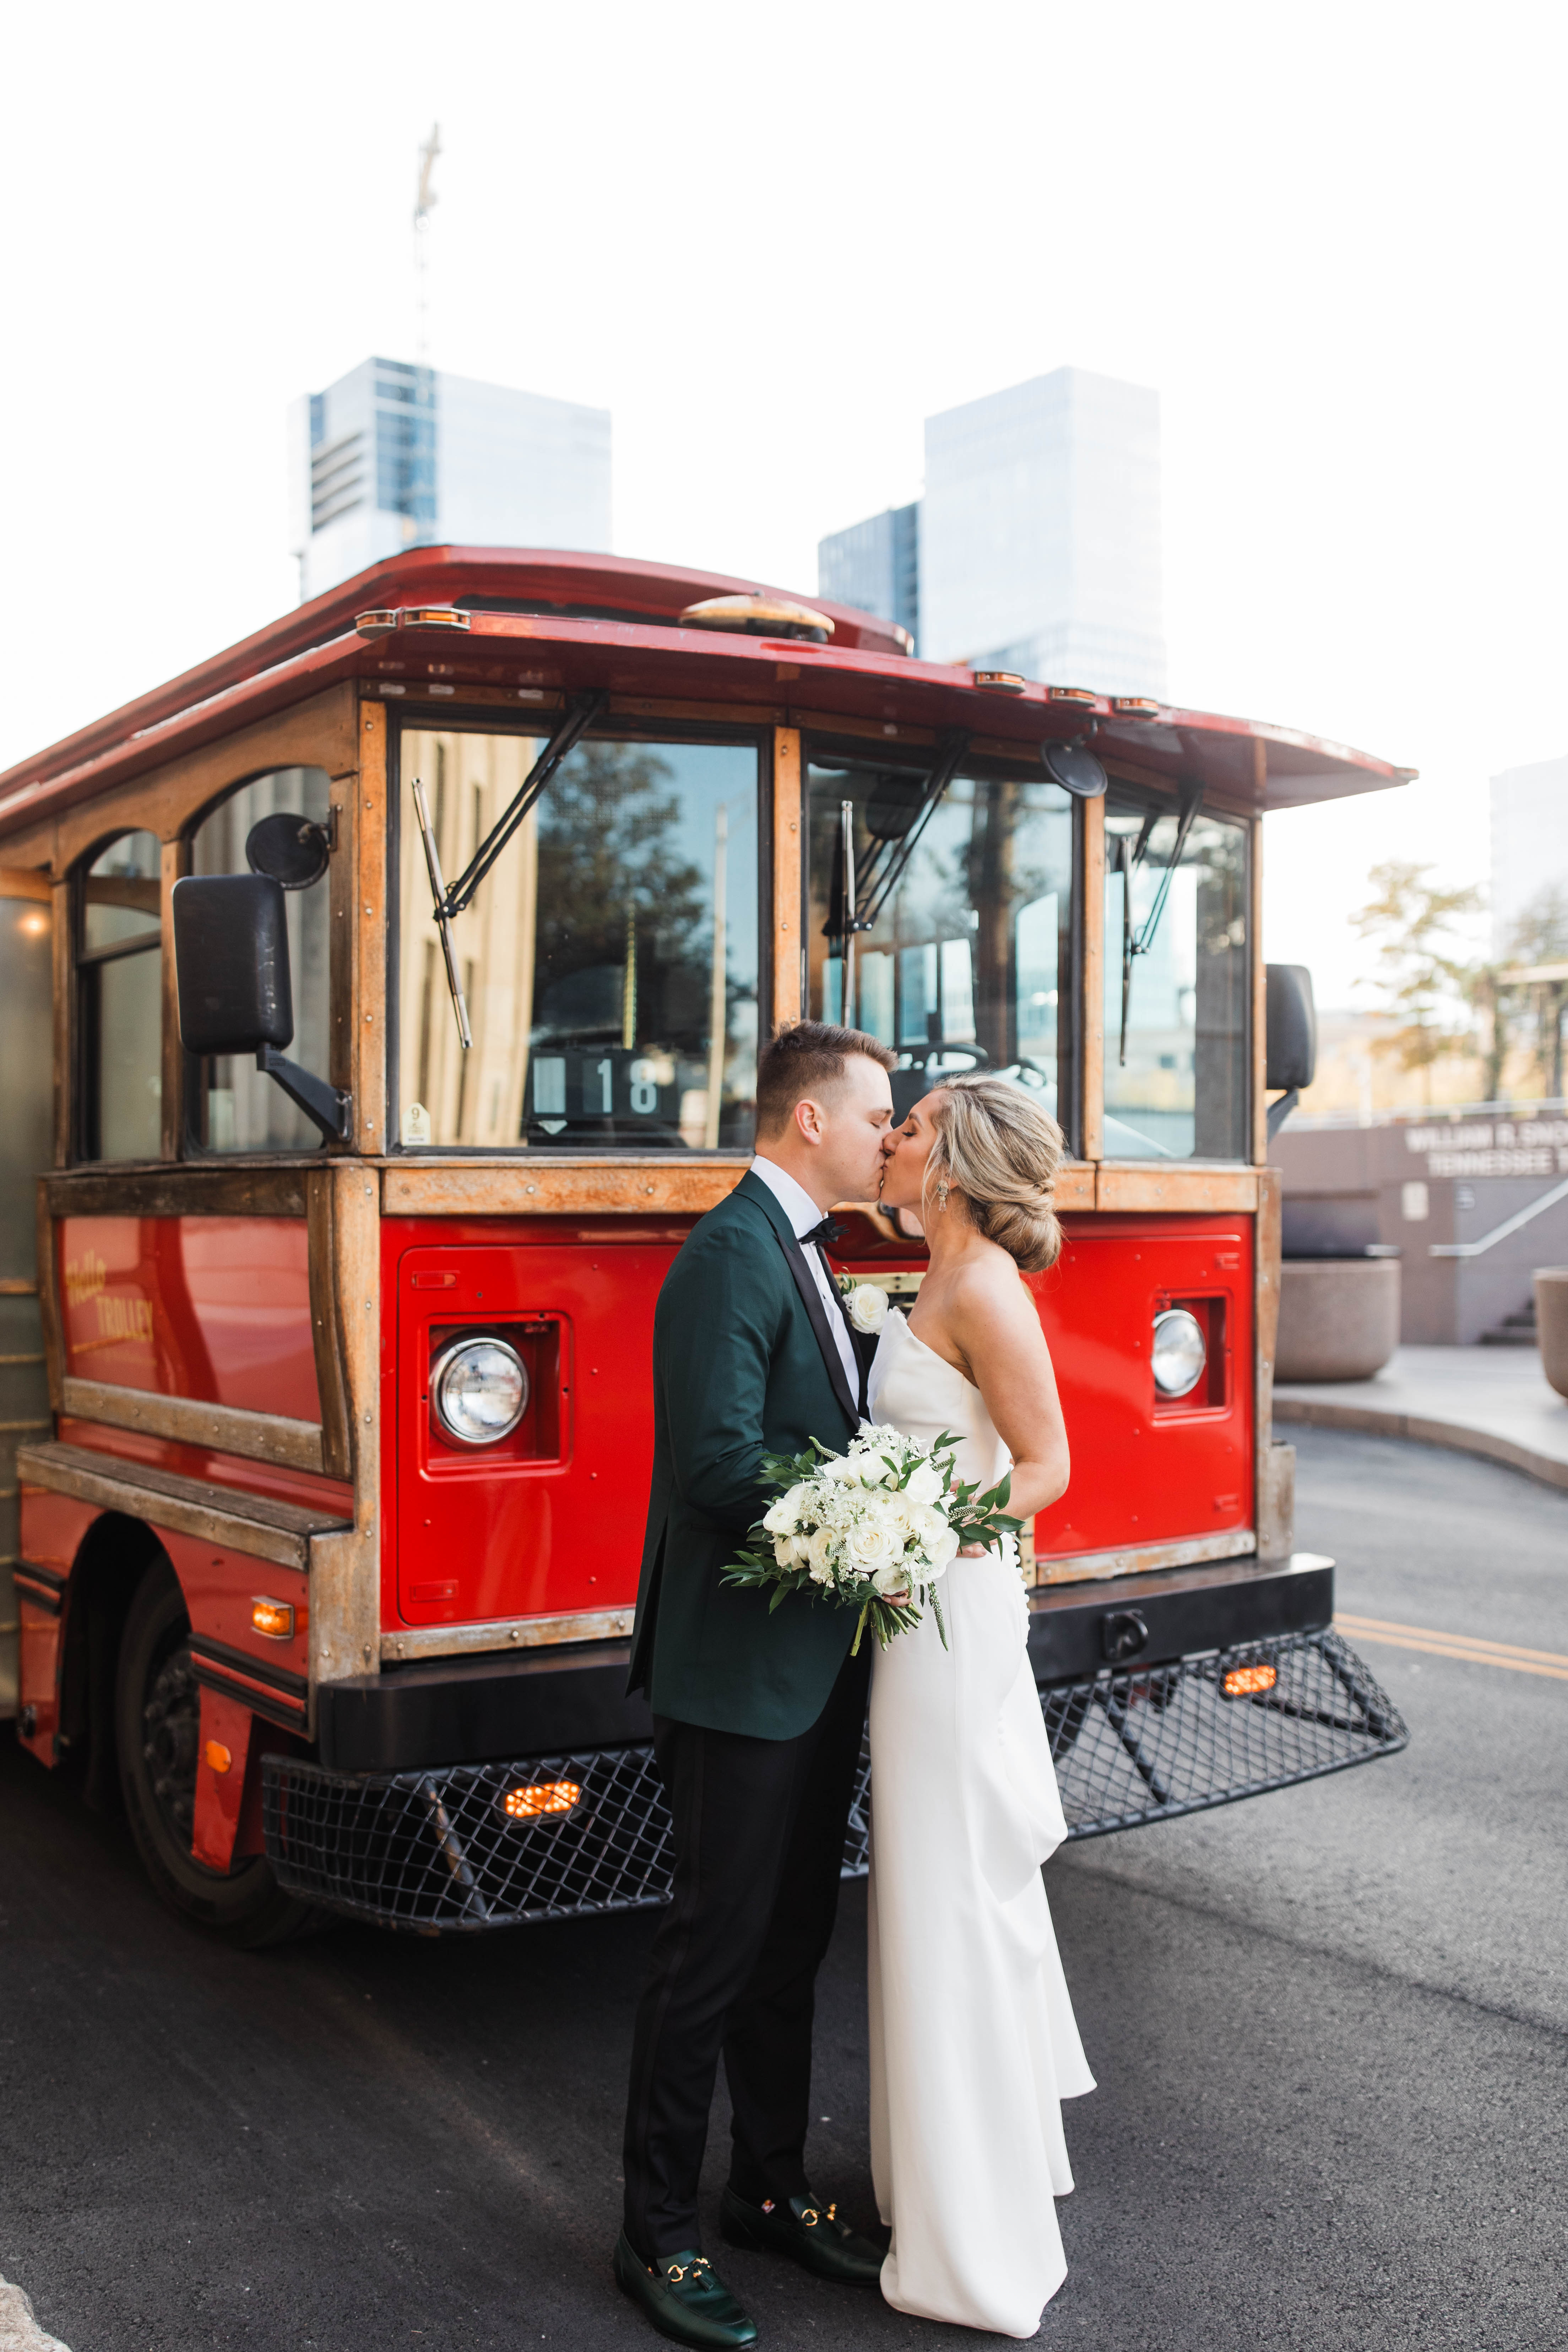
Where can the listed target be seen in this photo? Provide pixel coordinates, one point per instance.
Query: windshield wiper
(1128, 857)
(450, 899)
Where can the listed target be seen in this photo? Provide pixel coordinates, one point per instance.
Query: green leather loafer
(809, 2233)
(683, 2299)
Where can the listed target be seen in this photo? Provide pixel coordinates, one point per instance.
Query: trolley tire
(157, 1720)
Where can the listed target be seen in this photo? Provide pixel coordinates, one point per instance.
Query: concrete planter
(1339, 1318)
(1551, 1324)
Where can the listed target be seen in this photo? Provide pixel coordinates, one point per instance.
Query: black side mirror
(232, 985)
(1290, 1037)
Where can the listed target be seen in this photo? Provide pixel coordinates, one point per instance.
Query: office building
(1036, 545)
(1530, 852)
(393, 456)
(875, 566)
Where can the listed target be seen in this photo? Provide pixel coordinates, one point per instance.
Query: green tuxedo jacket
(744, 1363)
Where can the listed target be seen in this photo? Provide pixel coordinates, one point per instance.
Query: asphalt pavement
(1330, 2028)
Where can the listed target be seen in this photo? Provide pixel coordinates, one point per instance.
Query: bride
(972, 2039)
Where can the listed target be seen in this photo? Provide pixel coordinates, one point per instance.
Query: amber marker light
(1076, 693)
(433, 617)
(273, 1618)
(378, 624)
(540, 1797)
(1135, 706)
(1249, 1682)
(1001, 681)
(217, 1756)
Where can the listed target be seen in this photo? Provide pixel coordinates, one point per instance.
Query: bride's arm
(997, 1328)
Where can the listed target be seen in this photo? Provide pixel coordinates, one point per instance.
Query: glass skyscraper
(393, 456)
(1036, 545)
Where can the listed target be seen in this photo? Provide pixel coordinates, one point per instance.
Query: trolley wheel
(157, 1728)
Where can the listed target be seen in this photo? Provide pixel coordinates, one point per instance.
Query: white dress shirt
(803, 1214)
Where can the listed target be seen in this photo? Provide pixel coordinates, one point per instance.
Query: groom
(757, 1718)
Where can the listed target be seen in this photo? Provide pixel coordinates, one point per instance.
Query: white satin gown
(973, 2043)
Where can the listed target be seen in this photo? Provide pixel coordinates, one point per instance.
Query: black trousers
(759, 1838)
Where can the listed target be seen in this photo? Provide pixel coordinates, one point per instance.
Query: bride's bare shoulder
(988, 1289)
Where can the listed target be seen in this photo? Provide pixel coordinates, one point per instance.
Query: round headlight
(479, 1389)
(1179, 1352)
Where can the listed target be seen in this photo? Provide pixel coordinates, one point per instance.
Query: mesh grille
(439, 1850)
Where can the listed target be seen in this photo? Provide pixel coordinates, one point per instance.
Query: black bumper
(406, 1820)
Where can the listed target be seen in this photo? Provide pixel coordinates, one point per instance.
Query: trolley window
(1175, 981)
(967, 961)
(236, 1106)
(120, 1001)
(608, 960)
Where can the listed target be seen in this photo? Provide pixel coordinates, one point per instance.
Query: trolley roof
(543, 621)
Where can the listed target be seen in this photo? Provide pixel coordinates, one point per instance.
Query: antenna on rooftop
(423, 200)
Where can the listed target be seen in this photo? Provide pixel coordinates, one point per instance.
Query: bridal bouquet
(873, 1528)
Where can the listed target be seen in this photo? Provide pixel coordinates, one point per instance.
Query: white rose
(784, 1516)
(941, 1548)
(873, 1543)
(842, 1470)
(867, 1306)
(789, 1549)
(818, 1548)
(923, 1484)
(893, 1579)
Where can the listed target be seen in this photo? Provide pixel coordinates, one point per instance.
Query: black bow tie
(826, 1233)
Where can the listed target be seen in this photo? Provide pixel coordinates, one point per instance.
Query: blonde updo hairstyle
(999, 1149)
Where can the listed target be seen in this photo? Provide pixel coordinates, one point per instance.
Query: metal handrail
(1501, 1233)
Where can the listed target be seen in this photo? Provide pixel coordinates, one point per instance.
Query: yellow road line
(1455, 1645)
(1469, 1641)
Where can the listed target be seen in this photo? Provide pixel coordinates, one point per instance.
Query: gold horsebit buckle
(676, 2272)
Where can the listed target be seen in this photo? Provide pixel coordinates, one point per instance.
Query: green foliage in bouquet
(873, 1528)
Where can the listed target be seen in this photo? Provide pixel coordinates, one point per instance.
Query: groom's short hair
(804, 1058)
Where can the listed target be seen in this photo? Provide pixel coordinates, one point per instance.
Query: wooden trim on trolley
(175, 863)
(187, 1421)
(507, 1633)
(254, 1524)
(62, 948)
(25, 882)
(1091, 1076)
(50, 1321)
(530, 1187)
(789, 814)
(1138, 1559)
(331, 1370)
(1145, 1185)
(365, 857)
(318, 732)
(197, 1188)
(346, 1565)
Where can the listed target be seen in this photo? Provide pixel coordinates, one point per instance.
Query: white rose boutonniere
(868, 1306)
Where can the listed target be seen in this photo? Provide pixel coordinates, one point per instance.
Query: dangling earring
(942, 1192)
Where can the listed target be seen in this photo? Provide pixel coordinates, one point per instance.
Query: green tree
(1423, 975)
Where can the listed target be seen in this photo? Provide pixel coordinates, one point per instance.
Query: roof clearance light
(273, 1618)
(758, 617)
(1077, 694)
(433, 617)
(1179, 1353)
(527, 1804)
(479, 1390)
(1135, 706)
(379, 623)
(1001, 681)
(1249, 1682)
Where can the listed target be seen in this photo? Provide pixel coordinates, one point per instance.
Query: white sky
(771, 241)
